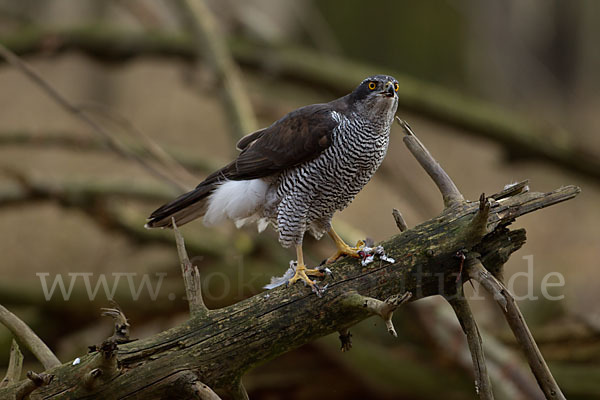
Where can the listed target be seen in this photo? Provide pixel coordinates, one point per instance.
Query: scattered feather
(281, 280)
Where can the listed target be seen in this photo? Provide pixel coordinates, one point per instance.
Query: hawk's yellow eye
(372, 85)
(396, 86)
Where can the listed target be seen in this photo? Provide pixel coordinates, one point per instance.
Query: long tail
(185, 208)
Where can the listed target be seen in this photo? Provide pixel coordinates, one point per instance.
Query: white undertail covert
(235, 200)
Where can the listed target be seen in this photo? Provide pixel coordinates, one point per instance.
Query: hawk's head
(376, 98)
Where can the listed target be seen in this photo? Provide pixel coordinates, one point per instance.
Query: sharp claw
(319, 290)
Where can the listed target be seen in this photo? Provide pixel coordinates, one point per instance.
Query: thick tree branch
(425, 265)
(28, 338)
(222, 346)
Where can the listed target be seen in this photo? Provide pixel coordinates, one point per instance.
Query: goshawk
(296, 173)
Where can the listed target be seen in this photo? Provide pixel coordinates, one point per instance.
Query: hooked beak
(389, 90)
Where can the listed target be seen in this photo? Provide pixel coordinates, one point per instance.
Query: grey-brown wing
(298, 137)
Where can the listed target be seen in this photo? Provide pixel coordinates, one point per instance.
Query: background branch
(28, 338)
(209, 43)
(518, 135)
(15, 365)
(519, 327)
(461, 308)
(98, 129)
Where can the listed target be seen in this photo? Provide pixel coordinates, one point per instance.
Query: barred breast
(307, 196)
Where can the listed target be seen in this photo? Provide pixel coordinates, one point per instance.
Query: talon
(302, 274)
(343, 249)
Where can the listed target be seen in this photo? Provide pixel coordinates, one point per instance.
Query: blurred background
(499, 91)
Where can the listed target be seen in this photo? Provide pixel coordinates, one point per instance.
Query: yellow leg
(302, 272)
(342, 248)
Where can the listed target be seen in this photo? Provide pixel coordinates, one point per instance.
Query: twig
(478, 226)
(90, 197)
(121, 332)
(191, 277)
(345, 339)
(385, 309)
(62, 101)
(461, 308)
(237, 391)
(210, 44)
(35, 381)
(512, 190)
(519, 327)
(485, 278)
(71, 141)
(150, 147)
(28, 338)
(450, 192)
(15, 365)
(400, 222)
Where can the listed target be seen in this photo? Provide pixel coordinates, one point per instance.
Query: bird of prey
(296, 173)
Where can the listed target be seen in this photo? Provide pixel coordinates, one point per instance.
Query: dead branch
(450, 192)
(461, 308)
(239, 336)
(28, 338)
(191, 278)
(385, 309)
(503, 363)
(400, 222)
(519, 327)
(121, 331)
(34, 382)
(15, 365)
